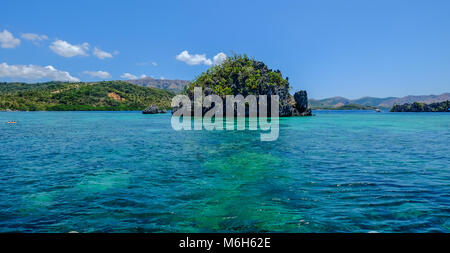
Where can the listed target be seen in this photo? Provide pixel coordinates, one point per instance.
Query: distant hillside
(422, 107)
(99, 96)
(170, 85)
(347, 107)
(422, 99)
(371, 101)
(329, 102)
(387, 102)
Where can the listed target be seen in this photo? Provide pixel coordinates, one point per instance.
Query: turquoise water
(128, 172)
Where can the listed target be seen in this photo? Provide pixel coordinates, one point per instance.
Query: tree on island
(240, 74)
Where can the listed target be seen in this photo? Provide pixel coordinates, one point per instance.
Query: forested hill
(96, 96)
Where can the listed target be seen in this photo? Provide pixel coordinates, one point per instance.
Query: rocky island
(422, 107)
(153, 109)
(239, 74)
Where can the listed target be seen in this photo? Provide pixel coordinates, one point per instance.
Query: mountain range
(120, 95)
(326, 103)
(165, 84)
(387, 102)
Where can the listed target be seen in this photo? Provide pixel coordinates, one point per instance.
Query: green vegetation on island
(239, 74)
(422, 107)
(94, 96)
(242, 75)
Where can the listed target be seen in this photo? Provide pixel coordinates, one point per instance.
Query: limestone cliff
(242, 75)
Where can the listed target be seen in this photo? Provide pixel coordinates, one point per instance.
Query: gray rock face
(301, 104)
(307, 112)
(288, 106)
(301, 101)
(286, 110)
(153, 110)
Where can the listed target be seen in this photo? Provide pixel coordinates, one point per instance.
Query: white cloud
(66, 49)
(132, 77)
(128, 76)
(35, 38)
(193, 59)
(154, 64)
(196, 59)
(7, 40)
(162, 78)
(98, 74)
(34, 72)
(102, 54)
(219, 58)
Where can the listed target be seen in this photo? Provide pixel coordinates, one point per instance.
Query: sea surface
(340, 171)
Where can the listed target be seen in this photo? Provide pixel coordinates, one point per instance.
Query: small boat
(377, 110)
(12, 122)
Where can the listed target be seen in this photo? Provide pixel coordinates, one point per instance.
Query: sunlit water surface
(128, 172)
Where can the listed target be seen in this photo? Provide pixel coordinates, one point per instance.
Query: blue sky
(330, 48)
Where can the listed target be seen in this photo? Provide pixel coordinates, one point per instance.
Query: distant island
(368, 103)
(92, 96)
(422, 107)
